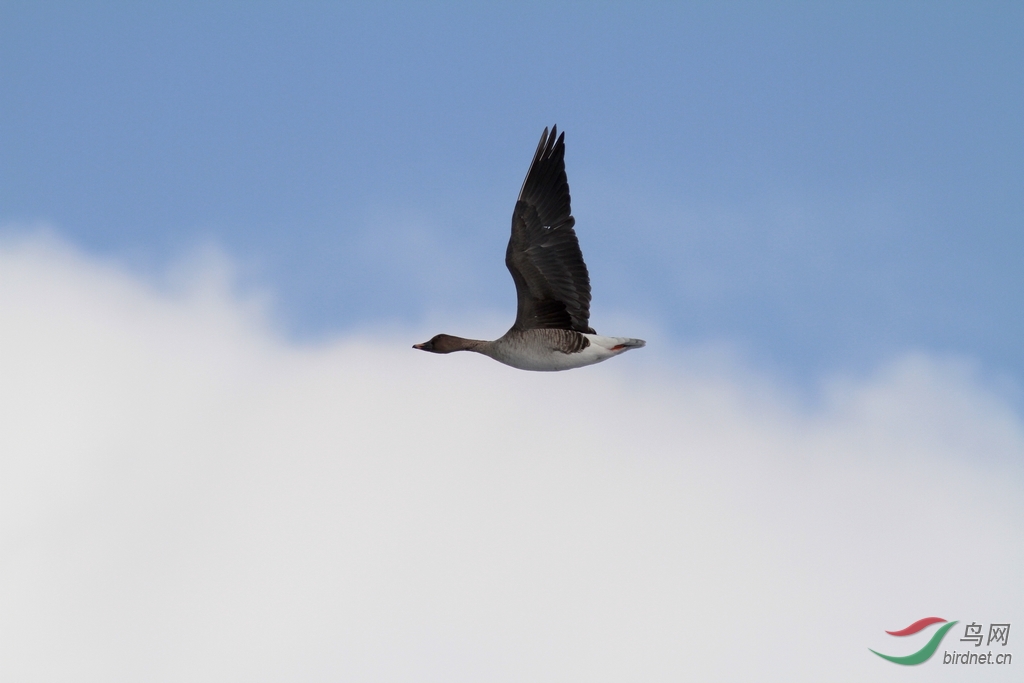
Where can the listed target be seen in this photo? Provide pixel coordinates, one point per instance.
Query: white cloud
(185, 496)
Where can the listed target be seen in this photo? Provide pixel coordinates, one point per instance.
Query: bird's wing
(543, 254)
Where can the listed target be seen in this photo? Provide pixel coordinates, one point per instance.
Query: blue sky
(821, 188)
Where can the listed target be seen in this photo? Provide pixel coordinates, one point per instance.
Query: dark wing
(543, 253)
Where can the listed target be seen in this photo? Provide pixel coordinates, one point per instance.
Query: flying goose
(552, 329)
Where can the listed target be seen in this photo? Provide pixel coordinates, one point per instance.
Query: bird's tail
(624, 344)
(617, 344)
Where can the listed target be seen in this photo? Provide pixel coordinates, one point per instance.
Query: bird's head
(443, 343)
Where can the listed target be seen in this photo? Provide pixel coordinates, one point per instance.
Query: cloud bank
(185, 495)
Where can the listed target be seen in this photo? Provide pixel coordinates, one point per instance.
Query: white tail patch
(616, 344)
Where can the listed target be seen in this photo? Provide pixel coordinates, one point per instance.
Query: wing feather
(543, 255)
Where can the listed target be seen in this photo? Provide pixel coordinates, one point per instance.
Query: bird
(552, 329)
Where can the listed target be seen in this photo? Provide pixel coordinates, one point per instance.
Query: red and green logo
(930, 647)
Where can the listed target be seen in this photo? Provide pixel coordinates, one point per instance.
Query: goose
(552, 329)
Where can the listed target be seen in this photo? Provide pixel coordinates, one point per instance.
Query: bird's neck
(461, 344)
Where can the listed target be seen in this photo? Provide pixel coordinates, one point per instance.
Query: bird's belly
(553, 361)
